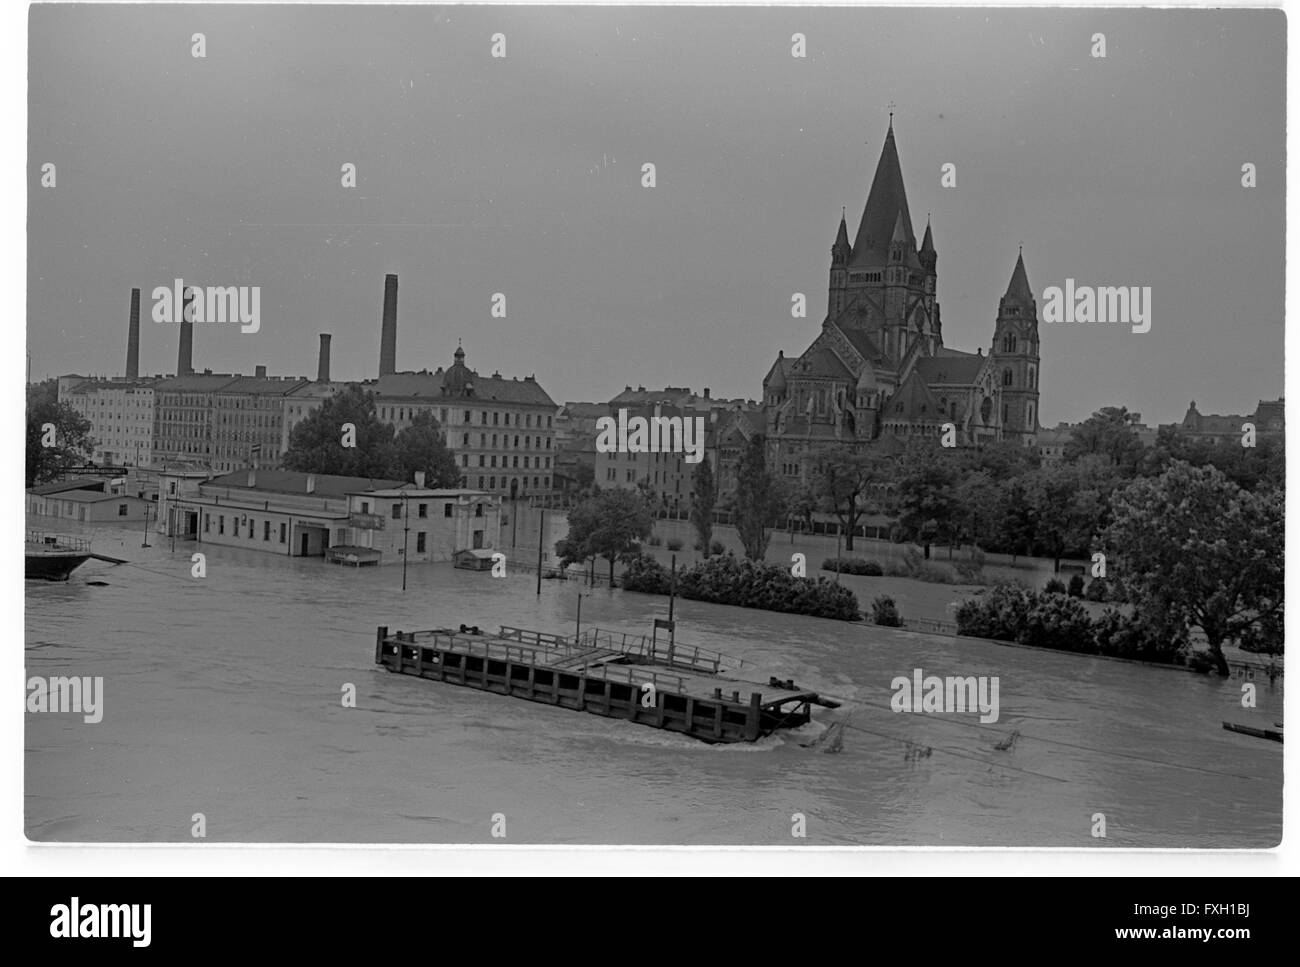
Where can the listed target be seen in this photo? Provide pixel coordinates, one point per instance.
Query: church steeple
(886, 207)
(840, 254)
(841, 250)
(1018, 290)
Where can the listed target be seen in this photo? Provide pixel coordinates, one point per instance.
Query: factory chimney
(323, 363)
(388, 335)
(133, 338)
(185, 351)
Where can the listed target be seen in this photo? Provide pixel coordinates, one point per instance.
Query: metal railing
(57, 542)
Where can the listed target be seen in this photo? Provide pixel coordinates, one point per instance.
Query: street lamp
(406, 534)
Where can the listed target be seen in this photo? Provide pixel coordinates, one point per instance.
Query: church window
(1007, 377)
(986, 410)
(1032, 377)
(1006, 411)
(1009, 343)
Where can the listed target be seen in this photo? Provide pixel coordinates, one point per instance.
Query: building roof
(198, 383)
(72, 483)
(462, 383)
(918, 403)
(886, 213)
(1018, 289)
(411, 490)
(294, 482)
(863, 343)
(263, 385)
(820, 362)
(961, 370)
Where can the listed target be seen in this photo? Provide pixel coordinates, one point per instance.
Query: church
(878, 372)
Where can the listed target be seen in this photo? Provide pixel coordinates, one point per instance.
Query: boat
(53, 557)
(638, 678)
(1274, 734)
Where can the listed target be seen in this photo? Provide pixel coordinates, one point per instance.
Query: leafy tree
(1193, 544)
(1108, 433)
(704, 495)
(845, 481)
(316, 444)
(421, 446)
(1000, 461)
(1070, 503)
(977, 511)
(924, 495)
(611, 524)
(804, 502)
(1015, 526)
(72, 442)
(758, 500)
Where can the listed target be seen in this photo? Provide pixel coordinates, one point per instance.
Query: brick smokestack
(185, 351)
(388, 336)
(133, 338)
(259, 372)
(323, 362)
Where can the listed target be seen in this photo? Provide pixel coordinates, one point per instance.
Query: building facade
(121, 415)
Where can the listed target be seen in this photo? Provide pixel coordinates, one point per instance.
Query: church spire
(1018, 290)
(886, 206)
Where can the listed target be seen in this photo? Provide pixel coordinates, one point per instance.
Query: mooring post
(754, 718)
(380, 634)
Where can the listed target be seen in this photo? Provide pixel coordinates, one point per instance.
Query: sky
(522, 176)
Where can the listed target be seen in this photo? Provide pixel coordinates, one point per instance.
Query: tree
(759, 499)
(1014, 524)
(1070, 504)
(924, 495)
(421, 446)
(976, 514)
(610, 524)
(316, 444)
(1108, 433)
(805, 500)
(1193, 543)
(704, 496)
(845, 480)
(70, 443)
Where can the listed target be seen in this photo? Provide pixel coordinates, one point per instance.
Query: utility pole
(541, 531)
(146, 527)
(672, 598)
(406, 535)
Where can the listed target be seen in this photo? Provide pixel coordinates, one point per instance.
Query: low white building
(418, 524)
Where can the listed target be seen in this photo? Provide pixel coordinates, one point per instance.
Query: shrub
(655, 540)
(1059, 622)
(971, 571)
(1203, 662)
(1075, 589)
(726, 579)
(1146, 635)
(716, 547)
(998, 614)
(885, 613)
(1054, 586)
(674, 543)
(854, 565)
(1098, 590)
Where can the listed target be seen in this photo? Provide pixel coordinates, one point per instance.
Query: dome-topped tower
(459, 380)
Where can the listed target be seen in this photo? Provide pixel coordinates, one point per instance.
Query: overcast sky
(522, 175)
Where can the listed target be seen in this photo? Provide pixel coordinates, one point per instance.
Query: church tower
(1015, 358)
(840, 253)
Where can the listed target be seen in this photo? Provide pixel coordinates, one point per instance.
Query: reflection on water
(223, 696)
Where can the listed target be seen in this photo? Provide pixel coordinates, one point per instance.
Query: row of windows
(530, 443)
(497, 417)
(490, 483)
(537, 462)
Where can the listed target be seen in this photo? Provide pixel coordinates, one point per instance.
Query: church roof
(842, 236)
(963, 369)
(917, 402)
(863, 343)
(1018, 289)
(886, 212)
(927, 243)
(821, 362)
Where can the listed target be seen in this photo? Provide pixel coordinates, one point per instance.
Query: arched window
(1009, 343)
(1006, 377)
(986, 410)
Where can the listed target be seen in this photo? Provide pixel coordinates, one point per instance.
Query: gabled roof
(72, 483)
(963, 369)
(919, 404)
(262, 386)
(820, 362)
(886, 212)
(862, 342)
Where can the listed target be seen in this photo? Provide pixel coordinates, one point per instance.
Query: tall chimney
(259, 372)
(133, 338)
(185, 352)
(323, 363)
(388, 335)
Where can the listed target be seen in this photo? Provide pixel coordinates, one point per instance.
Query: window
(507, 420)
(121, 510)
(1006, 411)
(365, 506)
(1009, 343)
(252, 524)
(492, 481)
(419, 542)
(482, 462)
(496, 419)
(266, 530)
(221, 524)
(423, 511)
(283, 532)
(466, 420)
(397, 511)
(494, 460)
(480, 487)
(1006, 377)
(464, 439)
(478, 508)
(446, 509)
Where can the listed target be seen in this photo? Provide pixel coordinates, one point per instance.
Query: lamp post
(146, 527)
(406, 534)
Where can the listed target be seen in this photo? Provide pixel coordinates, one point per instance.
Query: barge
(632, 677)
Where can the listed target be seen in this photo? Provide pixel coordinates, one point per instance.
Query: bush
(1054, 586)
(885, 613)
(1203, 662)
(1145, 635)
(999, 614)
(674, 543)
(854, 565)
(716, 547)
(726, 579)
(655, 540)
(1076, 586)
(971, 570)
(1098, 590)
(1059, 622)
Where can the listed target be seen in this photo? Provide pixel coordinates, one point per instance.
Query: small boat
(53, 557)
(1274, 734)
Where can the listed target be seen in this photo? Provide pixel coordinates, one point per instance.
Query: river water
(222, 696)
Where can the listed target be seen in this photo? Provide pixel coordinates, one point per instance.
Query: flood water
(222, 696)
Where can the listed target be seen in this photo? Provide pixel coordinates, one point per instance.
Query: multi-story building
(300, 403)
(879, 367)
(248, 421)
(501, 431)
(418, 524)
(121, 415)
(1269, 421)
(183, 419)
